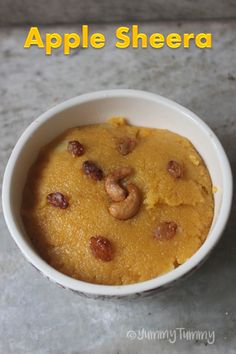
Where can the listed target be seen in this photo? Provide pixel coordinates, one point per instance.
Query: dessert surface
(117, 204)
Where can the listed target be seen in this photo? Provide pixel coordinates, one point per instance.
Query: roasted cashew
(113, 189)
(128, 207)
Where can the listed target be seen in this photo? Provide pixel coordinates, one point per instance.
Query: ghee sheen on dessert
(117, 204)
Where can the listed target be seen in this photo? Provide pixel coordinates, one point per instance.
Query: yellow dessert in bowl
(116, 204)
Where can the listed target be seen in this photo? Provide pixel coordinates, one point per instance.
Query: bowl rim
(117, 290)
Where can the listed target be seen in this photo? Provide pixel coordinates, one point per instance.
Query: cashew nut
(113, 189)
(128, 207)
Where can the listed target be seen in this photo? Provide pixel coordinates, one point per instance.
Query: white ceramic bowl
(141, 108)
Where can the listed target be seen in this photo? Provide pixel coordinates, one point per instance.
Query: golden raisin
(166, 230)
(58, 200)
(126, 145)
(101, 248)
(175, 169)
(91, 169)
(75, 148)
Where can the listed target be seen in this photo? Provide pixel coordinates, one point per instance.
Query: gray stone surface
(82, 11)
(36, 316)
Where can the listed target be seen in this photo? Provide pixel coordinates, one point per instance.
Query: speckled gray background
(36, 316)
(74, 11)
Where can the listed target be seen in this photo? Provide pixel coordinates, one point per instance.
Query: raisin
(101, 248)
(126, 145)
(58, 200)
(166, 230)
(175, 169)
(91, 169)
(75, 148)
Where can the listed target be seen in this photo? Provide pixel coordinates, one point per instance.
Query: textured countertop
(87, 11)
(37, 316)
